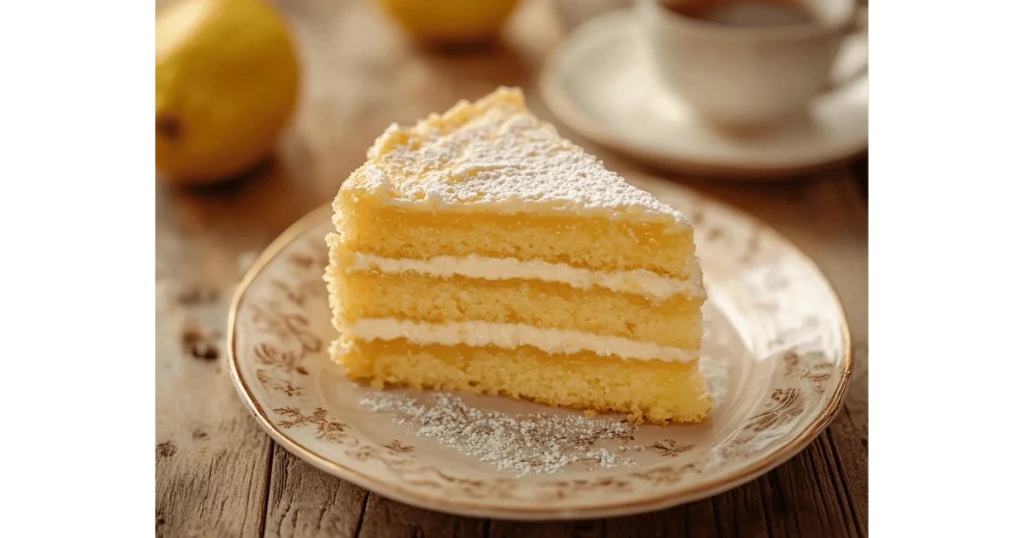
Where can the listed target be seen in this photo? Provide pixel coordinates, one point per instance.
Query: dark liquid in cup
(743, 12)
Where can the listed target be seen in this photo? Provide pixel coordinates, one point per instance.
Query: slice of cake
(479, 251)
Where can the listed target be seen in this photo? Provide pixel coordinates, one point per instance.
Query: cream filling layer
(511, 336)
(638, 281)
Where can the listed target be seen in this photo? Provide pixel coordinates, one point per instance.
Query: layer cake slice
(479, 251)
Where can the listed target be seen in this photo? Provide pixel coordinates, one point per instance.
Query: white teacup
(738, 74)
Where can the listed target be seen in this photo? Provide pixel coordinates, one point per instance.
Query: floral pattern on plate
(777, 360)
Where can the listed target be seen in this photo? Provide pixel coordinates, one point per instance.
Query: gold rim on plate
(730, 480)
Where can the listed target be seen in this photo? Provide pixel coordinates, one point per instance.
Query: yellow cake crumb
(489, 181)
(650, 391)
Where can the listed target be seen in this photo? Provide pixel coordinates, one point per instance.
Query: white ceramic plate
(600, 84)
(777, 349)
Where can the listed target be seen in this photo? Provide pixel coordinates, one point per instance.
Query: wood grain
(306, 502)
(211, 458)
(218, 474)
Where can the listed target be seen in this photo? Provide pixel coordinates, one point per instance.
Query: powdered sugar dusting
(523, 444)
(495, 152)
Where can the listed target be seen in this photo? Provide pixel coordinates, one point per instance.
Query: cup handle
(852, 62)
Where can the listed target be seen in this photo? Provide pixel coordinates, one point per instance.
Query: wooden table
(218, 474)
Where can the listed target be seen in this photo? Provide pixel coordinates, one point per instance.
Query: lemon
(227, 80)
(450, 21)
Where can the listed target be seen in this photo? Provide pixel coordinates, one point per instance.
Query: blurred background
(314, 82)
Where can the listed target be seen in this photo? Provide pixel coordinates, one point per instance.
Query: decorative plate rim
(562, 107)
(684, 494)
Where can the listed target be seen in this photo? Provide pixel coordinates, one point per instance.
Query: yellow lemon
(227, 79)
(450, 21)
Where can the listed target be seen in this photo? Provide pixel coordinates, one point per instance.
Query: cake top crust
(493, 154)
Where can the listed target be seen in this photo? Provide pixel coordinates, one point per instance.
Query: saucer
(600, 84)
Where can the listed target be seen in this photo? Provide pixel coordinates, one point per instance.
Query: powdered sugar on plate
(531, 443)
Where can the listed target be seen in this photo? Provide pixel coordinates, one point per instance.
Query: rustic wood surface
(218, 474)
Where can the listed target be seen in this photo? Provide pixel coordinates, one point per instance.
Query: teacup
(745, 62)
